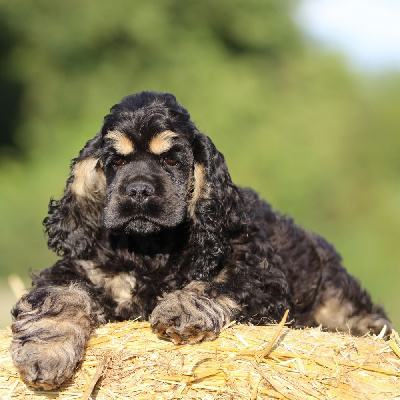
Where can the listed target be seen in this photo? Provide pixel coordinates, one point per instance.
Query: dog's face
(148, 173)
(147, 157)
(148, 170)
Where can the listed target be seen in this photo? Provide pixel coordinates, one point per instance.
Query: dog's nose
(139, 189)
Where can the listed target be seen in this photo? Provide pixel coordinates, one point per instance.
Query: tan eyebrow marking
(162, 142)
(122, 144)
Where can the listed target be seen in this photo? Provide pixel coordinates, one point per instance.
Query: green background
(318, 141)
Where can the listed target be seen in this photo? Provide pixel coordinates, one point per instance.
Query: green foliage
(317, 142)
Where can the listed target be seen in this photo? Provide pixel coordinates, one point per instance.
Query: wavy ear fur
(75, 222)
(214, 207)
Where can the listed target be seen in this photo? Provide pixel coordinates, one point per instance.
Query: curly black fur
(151, 226)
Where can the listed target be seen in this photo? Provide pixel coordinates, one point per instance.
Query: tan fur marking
(334, 314)
(199, 188)
(337, 314)
(89, 179)
(122, 144)
(222, 277)
(162, 142)
(119, 286)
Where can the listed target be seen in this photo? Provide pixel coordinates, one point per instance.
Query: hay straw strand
(394, 343)
(262, 353)
(99, 371)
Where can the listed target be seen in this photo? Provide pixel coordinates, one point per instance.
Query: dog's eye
(118, 162)
(169, 162)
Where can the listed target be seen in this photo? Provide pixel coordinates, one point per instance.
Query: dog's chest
(129, 293)
(118, 286)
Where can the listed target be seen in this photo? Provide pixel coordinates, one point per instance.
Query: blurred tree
(10, 88)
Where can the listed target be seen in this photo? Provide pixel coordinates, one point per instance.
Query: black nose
(139, 189)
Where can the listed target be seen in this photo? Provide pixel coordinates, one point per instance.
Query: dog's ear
(214, 205)
(75, 221)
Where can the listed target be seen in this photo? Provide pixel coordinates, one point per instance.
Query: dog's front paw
(186, 316)
(50, 330)
(44, 365)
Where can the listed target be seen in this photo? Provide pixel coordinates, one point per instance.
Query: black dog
(152, 227)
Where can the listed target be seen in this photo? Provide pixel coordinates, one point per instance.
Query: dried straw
(127, 361)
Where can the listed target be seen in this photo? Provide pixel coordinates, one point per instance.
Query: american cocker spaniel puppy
(151, 226)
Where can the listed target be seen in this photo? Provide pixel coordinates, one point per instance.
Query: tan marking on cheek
(122, 144)
(199, 188)
(162, 142)
(89, 179)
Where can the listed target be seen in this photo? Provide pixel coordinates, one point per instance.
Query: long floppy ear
(75, 221)
(214, 206)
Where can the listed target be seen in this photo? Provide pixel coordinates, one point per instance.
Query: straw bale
(127, 361)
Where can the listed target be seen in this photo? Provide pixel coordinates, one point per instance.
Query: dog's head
(148, 169)
(148, 164)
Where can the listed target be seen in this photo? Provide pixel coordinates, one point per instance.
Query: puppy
(151, 226)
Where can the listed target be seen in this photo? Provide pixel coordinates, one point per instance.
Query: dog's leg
(343, 305)
(201, 309)
(50, 332)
